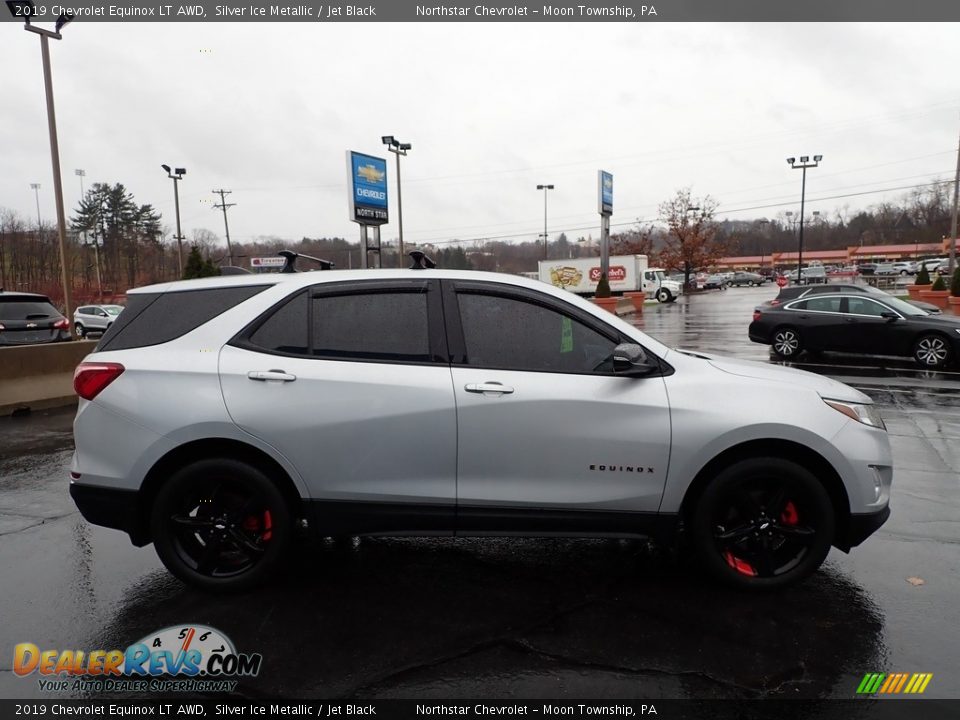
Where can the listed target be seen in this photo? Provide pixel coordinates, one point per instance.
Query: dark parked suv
(28, 319)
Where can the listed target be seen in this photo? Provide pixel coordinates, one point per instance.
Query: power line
(487, 238)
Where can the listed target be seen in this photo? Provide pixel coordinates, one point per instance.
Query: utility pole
(952, 257)
(224, 205)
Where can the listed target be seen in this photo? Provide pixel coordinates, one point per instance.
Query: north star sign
(368, 188)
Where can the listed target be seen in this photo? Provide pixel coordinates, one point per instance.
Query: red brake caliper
(252, 523)
(789, 515)
(744, 568)
(267, 526)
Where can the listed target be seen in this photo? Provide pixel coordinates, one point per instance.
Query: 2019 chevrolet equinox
(439, 402)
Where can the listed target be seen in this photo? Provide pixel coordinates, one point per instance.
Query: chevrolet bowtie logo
(370, 173)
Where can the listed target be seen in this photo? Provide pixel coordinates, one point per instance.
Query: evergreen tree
(197, 267)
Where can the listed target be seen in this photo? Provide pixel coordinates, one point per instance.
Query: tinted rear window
(152, 319)
(11, 309)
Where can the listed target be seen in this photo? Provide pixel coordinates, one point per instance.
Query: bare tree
(691, 241)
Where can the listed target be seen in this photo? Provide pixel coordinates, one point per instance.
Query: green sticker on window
(566, 336)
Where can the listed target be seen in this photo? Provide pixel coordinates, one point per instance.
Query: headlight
(866, 414)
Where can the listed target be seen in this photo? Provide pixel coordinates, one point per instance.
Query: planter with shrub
(602, 295)
(921, 283)
(937, 294)
(954, 299)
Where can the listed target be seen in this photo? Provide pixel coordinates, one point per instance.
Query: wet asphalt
(497, 618)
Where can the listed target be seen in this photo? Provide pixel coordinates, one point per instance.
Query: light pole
(398, 148)
(45, 36)
(96, 246)
(804, 164)
(545, 188)
(36, 190)
(177, 176)
(763, 236)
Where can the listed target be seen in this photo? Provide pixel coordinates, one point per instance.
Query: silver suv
(94, 317)
(435, 402)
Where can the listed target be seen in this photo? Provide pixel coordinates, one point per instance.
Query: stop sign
(781, 281)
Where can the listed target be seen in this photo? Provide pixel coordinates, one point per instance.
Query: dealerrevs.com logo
(188, 658)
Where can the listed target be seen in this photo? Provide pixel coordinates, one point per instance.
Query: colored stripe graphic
(894, 683)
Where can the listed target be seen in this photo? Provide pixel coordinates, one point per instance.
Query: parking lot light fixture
(545, 188)
(398, 148)
(45, 36)
(177, 176)
(803, 165)
(36, 191)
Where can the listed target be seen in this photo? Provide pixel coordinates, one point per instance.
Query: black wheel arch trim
(785, 450)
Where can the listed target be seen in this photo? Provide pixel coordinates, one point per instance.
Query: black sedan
(798, 291)
(865, 324)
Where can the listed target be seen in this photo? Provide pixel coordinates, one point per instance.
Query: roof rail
(420, 260)
(290, 266)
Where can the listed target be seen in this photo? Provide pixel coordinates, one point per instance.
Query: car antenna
(290, 266)
(420, 260)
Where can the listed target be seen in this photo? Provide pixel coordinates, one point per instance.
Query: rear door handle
(493, 388)
(264, 375)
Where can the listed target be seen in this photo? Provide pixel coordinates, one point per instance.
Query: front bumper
(861, 526)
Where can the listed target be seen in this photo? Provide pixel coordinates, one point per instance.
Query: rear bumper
(861, 526)
(109, 507)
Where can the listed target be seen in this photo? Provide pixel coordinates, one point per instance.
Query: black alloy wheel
(931, 351)
(786, 342)
(763, 523)
(220, 524)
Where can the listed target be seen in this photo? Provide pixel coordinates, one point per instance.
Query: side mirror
(889, 315)
(630, 359)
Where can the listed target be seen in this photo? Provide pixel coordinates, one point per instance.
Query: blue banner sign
(605, 189)
(368, 188)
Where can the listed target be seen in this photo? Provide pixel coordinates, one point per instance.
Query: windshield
(659, 274)
(113, 309)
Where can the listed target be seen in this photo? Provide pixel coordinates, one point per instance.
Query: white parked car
(94, 317)
(441, 402)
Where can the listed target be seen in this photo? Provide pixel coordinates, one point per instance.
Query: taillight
(2, 327)
(90, 378)
(756, 315)
(774, 302)
(62, 324)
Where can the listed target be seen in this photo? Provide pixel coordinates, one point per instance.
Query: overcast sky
(267, 110)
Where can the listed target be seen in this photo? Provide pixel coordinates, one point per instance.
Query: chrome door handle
(264, 375)
(488, 387)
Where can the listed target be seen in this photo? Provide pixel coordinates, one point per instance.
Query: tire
(80, 330)
(931, 351)
(221, 525)
(762, 523)
(786, 342)
(664, 295)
